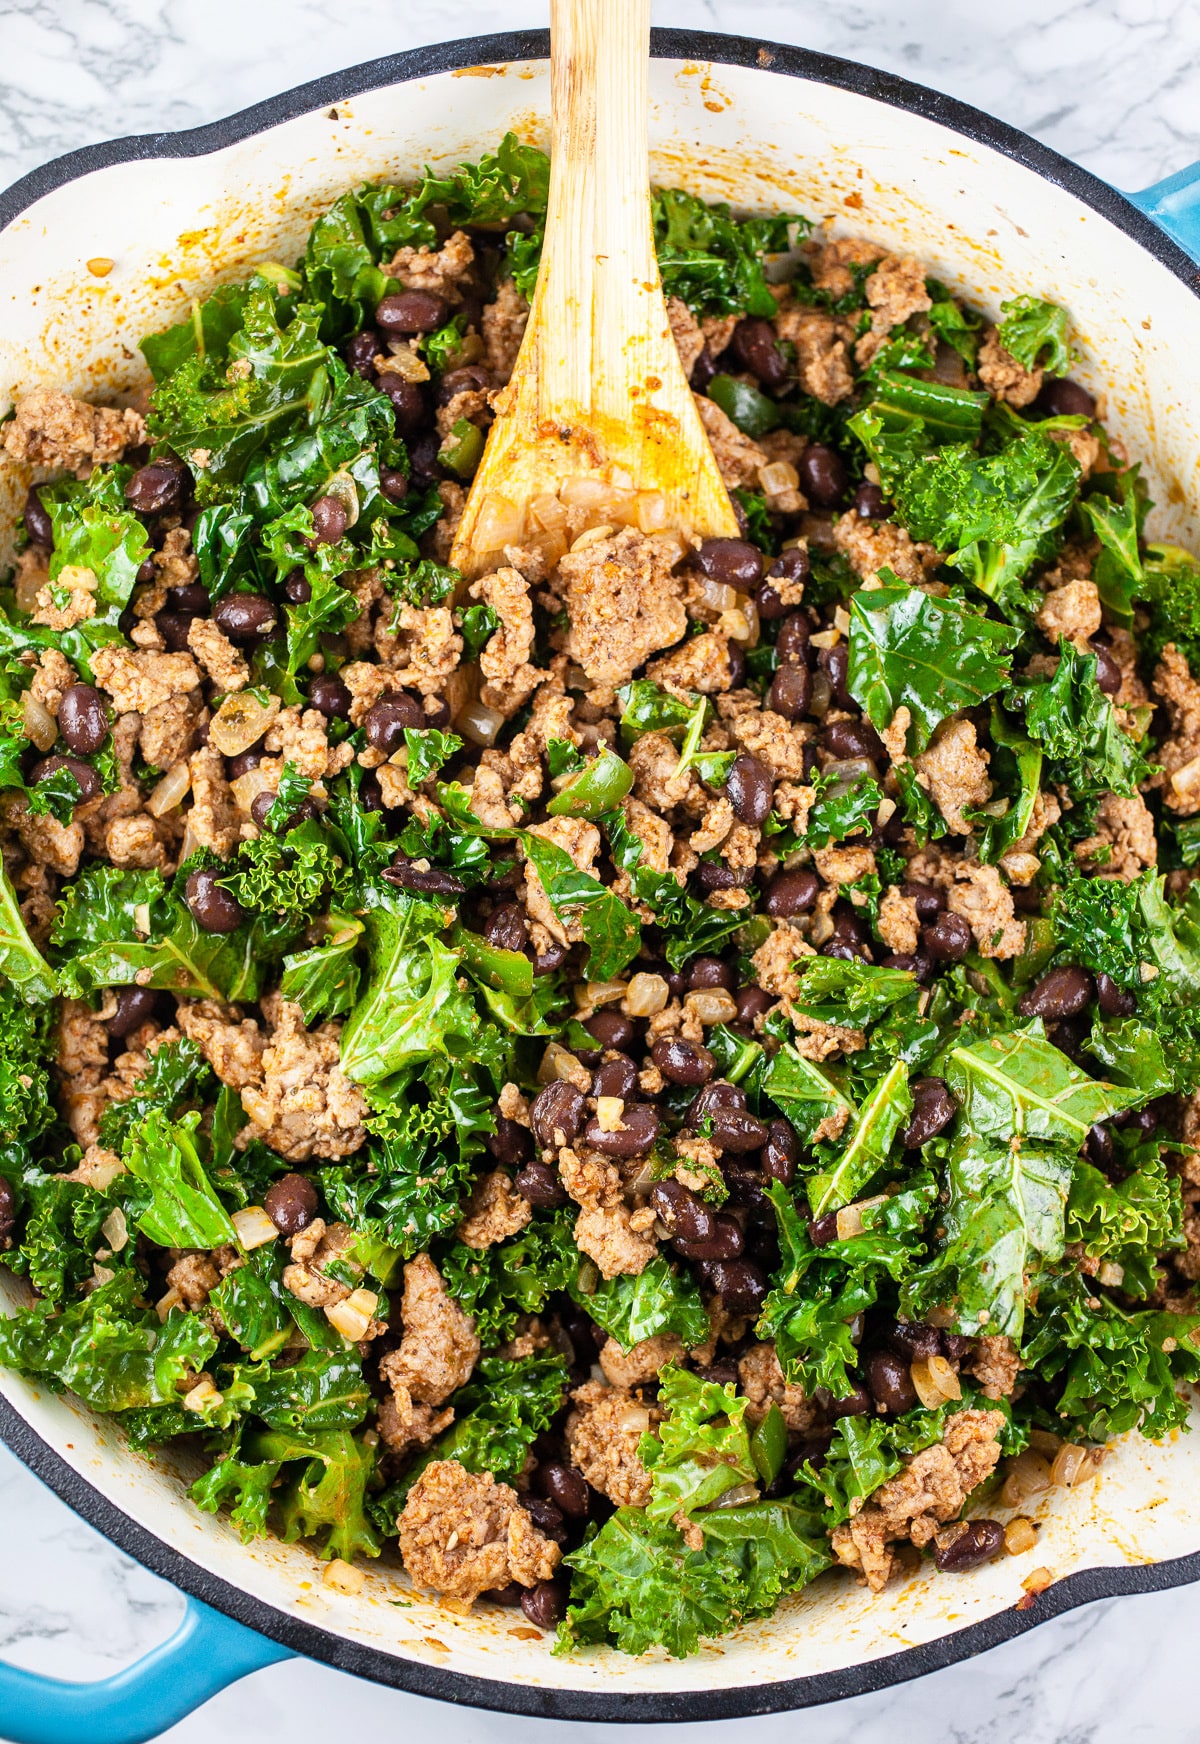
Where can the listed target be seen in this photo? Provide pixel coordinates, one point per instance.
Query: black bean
(723, 1372)
(856, 1403)
(386, 720)
(437, 712)
(918, 964)
(957, 1346)
(737, 1130)
(1060, 993)
(718, 1094)
(470, 378)
(756, 349)
(889, 1382)
(1061, 398)
(704, 972)
(506, 927)
(214, 908)
(360, 353)
(847, 939)
(565, 1487)
(791, 893)
(948, 939)
(977, 1543)
(713, 875)
(330, 520)
(538, 1182)
(823, 476)
(725, 1243)
(870, 503)
(750, 788)
(244, 762)
(408, 408)
(82, 719)
(329, 696)
(427, 880)
(37, 520)
(511, 1143)
(408, 312)
(780, 1152)
(745, 1185)
(135, 1005)
(509, 1596)
(682, 1062)
(370, 795)
(612, 1029)
(741, 1285)
(682, 1212)
(823, 1230)
(1112, 999)
(752, 1002)
(260, 805)
(791, 691)
(393, 483)
(546, 1516)
(297, 589)
(733, 561)
(1108, 673)
(146, 571)
(933, 1108)
(244, 617)
(191, 599)
(85, 775)
(1100, 1146)
(929, 902)
(834, 663)
(556, 1114)
(792, 643)
(844, 739)
(616, 1076)
(790, 565)
(552, 958)
(635, 1136)
(158, 486)
(546, 1603)
(291, 1203)
(913, 1340)
(173, 627)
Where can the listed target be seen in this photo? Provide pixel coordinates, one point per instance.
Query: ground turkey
(462, 1534)
(623, 604)
(604, 1431)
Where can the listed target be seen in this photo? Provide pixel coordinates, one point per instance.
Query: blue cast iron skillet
(225, 1633)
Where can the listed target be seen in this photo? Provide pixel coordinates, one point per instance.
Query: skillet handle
(207, 1652)
(1174, 205)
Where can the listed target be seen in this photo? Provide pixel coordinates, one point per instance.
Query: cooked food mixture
(633, 1080)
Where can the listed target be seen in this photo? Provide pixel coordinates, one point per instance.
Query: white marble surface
(1113, 83)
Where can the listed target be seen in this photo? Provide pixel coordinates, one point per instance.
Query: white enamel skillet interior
(769, 127)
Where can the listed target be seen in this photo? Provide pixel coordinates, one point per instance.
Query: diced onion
(169, 792)
(41, 729)
(646, 995)
(850, 1217)
(737, 1496)
(559, 1062)
(584, 492)
(591, 995)
(712, 1005)
(821, 696)
(203, 1397)
(115, 1230)
(254, 1228)
(1038, 1581)
(164, 1305)
(343, 487)
(1072, 1465)
(246, 788)
(1019, 1536)
(610, 1111)
(935, 1381)
(1028, 1475)
(850, 769)
(240, 722)
(479, 723)
(591, 536)
(718, 595)
(352, 1316)
(400, 359)
(778, 477)
(547, 513)
(343, 1577)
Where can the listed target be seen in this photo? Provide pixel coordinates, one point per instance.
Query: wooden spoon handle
(599, 271)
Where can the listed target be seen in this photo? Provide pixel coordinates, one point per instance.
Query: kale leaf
(1034, 331)
(610, 930)
(661, 1299)
(934, 657)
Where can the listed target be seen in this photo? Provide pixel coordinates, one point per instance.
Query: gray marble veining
(1112, 83)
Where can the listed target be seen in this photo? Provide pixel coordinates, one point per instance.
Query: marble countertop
(1112, 83)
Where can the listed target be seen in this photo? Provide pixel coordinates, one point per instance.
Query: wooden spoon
(598, 389)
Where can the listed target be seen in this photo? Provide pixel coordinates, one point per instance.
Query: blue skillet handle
(207, 1652)
(1174, 205)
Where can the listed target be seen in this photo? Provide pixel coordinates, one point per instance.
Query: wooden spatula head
(598, 391)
